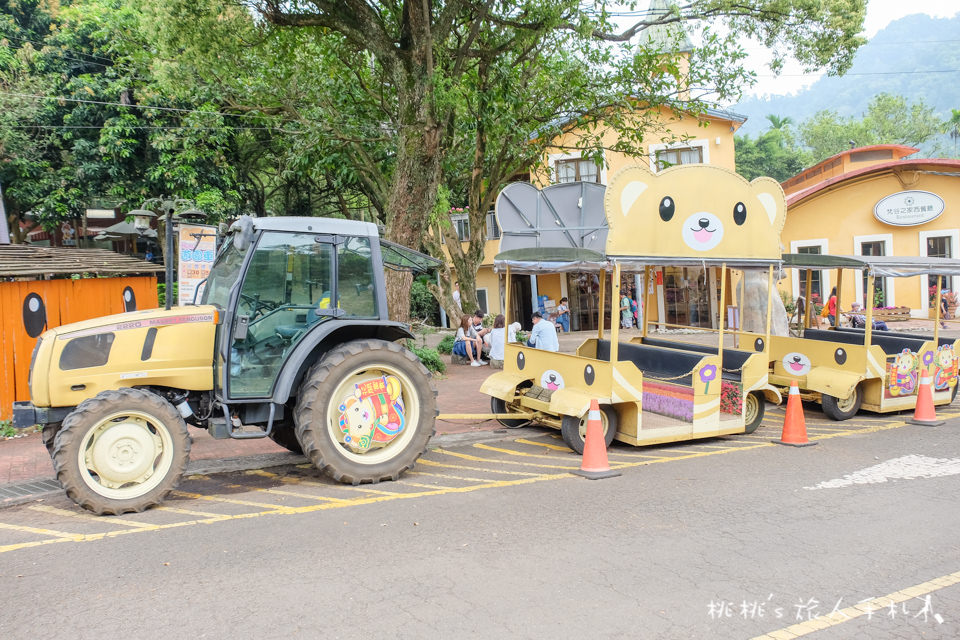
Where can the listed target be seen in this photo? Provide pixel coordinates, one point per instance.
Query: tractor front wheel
(366, 411)
(121, 451)
(574, 430)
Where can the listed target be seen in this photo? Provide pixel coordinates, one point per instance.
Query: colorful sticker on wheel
(796, 364)
(902, 379)
(945, 361)
(551, 380)
(373, 415)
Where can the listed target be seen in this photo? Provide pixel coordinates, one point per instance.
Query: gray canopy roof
(886, 266)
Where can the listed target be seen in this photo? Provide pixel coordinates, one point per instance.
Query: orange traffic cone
(925, 414)
(794, 425)
(595, 465)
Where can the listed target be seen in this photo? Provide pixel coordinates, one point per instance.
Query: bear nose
(703, 222)
(552, 377)
(796, 358)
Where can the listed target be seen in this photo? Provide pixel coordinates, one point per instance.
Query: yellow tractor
(290, 341)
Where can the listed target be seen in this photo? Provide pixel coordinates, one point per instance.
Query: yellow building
(874, 201)
(681, 292)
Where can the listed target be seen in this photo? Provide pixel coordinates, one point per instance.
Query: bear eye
(667, 208)
(739, 213)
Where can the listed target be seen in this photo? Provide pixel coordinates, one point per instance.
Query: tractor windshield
(224, 274)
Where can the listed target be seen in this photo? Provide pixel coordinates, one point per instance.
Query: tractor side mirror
(243, 228)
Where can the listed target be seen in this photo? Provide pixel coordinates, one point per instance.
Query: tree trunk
(413, 190)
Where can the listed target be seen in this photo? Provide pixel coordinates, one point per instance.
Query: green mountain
(917, 57)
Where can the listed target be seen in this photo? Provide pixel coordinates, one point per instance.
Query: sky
(880, 13)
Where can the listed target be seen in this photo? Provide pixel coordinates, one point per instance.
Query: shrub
(446, 345)
(430, 358)
(162, 294)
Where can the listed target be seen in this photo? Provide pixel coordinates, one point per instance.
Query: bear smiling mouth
(702, 235)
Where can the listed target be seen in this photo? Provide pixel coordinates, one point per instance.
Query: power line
(861, 73)
(132, 106)
(155, 128)
(49, 44)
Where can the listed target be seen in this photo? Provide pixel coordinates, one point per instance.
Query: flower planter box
(897, 314)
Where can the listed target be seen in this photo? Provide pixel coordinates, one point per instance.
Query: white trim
(553, 157)
(703, 143)
(795, 275)
(486, 297)
(888, 283)
(954, 235)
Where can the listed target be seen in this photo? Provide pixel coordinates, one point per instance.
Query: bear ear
(626, 187)
(770, 194)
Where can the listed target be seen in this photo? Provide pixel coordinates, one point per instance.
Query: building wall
(841, 217)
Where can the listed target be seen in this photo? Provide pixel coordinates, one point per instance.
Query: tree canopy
(362, 108)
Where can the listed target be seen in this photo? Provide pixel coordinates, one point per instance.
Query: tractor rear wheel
(366, 411)
(121, 451)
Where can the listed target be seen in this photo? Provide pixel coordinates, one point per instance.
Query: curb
(12, 495)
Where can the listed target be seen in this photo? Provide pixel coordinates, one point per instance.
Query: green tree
(773, 153)
(888, 119)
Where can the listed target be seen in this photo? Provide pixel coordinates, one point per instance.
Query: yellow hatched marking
(467, 456)
(42, 532)
(419, 485)
(281, 492)
(245, 503)
(522, 454)
(188, 512)
(434, 463)
(445, 475)
(90, 517)
(840, 616)
(624, 454)
(554, 447)
(314, 483)
(67, 537)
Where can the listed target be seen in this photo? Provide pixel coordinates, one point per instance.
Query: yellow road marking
(281, 492)
(419, 485)
(314, 483)
(522, 454)
(445, 475)
(434, 463)
(42, 532)
(840, 616)
(90, 517)
(59, 536)
(554, 447)
(245, 503)
(188, 512)
(467, 456)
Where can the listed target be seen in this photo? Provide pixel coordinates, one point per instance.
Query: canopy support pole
(839, 291)
(646, 298)
(871, 281)
(766, 342)
(600, 307)
(723, 306)
(506, 306)
(615, 317)
(807, 302)
(936, 314)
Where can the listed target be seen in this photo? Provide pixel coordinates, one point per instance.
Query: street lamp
(141, 222)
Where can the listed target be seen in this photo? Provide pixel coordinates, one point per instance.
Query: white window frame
(888, 284)
(954, 235)
(486, 299)
(703, 143)
(460, 217)
(574, 155)
(824, 275)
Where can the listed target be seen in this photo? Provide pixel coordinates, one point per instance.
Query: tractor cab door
(292, 283)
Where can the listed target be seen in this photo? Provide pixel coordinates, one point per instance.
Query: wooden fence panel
(63, 301)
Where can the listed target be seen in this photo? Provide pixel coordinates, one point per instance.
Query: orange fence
(27, 308)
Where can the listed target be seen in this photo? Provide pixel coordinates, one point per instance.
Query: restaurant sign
(909, 208)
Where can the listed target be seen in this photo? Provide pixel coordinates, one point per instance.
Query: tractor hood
(166, 348)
